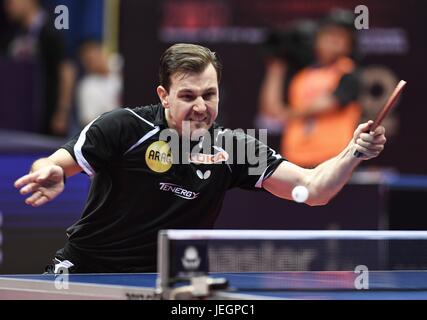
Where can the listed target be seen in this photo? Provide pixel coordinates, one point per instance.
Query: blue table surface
(288, 285)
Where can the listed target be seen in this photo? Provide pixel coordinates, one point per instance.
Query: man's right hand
(45, 184)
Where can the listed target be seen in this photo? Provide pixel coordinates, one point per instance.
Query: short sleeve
(105, 140)
(252, 164)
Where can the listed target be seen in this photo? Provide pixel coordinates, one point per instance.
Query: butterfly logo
(203, 176)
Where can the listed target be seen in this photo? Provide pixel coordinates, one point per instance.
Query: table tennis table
(321, 285)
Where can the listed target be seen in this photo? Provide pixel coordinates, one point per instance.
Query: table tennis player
(138, 186)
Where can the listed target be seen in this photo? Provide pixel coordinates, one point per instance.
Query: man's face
(192, 97)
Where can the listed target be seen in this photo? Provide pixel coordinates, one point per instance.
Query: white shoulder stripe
(258, 184)
(78, 151)
(145, 137)
(262, 177)
(139, 117)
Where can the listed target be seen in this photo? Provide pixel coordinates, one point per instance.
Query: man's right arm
(45, 181)
(102, 142)
(60, 158)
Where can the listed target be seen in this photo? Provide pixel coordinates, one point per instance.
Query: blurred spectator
(39, 41)
(320, 111)
(100, 88)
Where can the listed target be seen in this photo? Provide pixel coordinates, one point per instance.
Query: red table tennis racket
(385, 110)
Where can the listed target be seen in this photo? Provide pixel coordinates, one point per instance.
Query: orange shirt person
(322, 110)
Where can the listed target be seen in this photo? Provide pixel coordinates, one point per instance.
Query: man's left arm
(328, 178)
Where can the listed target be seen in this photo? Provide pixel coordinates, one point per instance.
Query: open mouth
(204, 119)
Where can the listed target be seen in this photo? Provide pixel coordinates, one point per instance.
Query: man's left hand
(369, 143)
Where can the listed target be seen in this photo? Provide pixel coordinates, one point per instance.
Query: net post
(162, 284)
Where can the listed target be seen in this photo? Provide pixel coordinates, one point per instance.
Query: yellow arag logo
(159, 157)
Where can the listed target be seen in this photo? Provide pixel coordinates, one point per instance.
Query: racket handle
(358, 154)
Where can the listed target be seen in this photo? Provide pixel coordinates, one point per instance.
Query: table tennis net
(331, 259)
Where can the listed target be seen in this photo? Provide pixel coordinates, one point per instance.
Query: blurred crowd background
(276, 55)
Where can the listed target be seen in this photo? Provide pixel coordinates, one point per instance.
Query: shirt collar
(160, 117)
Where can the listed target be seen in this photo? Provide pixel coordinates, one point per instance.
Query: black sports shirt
(137, 189)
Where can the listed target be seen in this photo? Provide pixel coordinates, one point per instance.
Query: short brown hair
(183, 57)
